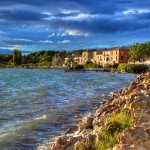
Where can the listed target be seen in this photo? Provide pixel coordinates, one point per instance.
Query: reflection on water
(37, 105)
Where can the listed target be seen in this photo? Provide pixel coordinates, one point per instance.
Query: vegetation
(114, 124)
(90, 64)
(139, 50)
(132, 68)
(17, 57)
(78, 67)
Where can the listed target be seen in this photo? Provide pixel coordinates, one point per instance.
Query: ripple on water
(37, 105)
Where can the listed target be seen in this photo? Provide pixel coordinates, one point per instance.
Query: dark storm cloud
(28, 2)
(21, 15)
(37, 19)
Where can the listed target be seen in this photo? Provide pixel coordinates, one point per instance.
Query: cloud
(76, 33)
(46, 41)
(64, 41)
(72, 23)
(51, 35)
(21, 15)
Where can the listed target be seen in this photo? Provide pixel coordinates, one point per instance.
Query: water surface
(37, 105)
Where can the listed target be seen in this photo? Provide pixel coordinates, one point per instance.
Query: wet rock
(72, 129)
(86, 123)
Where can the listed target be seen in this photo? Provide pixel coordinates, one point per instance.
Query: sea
(38, 105)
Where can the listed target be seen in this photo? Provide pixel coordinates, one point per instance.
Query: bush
(89, 62)
(114, 124)
(78, 67)
(115, 65)
(91, 65)
(133, 68)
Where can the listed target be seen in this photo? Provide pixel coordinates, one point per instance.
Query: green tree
(17, 57)
(56, 60)
(139, 50)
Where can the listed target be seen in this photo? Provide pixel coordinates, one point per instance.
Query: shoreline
(85, 132)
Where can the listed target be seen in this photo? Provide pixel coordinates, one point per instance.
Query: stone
(86, 123)
(122, 147)
(136, 105)
(138, 148)
(72, 129)
(134, 135)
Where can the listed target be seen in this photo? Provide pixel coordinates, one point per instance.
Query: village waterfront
(38, 105)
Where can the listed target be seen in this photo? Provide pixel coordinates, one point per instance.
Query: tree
(17, 57)
(139, 50)
(56, 60)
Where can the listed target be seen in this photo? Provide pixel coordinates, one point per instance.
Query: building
(119, 55)
(103, 57)
(87, 56)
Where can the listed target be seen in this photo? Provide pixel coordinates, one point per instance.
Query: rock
(138, 148)
(72, 129)
(136, 105)
(147, 144)
(85, 132)
(86, 123)
(135, 101)
(134, 135)
(89, 140)
(122, 147)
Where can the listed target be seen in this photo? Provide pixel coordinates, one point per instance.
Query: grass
(114, 124)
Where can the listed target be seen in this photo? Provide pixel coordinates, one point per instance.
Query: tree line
(56, 58)
(36, 59)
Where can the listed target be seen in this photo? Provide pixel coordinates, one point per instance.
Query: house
(102, 57)
(119, 55)
(87, 56)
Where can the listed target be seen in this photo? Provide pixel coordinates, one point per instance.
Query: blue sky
(32, 25)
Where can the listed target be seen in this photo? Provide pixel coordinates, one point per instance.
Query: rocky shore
(94, 132)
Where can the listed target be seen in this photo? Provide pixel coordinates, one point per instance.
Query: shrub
(115, 65)
(78, 67)
(114, 124)
(133, 68)
(121, 67)
(89, 64)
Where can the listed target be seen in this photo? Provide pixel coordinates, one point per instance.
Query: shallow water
(37, 105)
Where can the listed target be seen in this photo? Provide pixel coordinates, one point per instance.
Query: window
(116, 52)
(121, 57)
(116, 58)
(107, 59)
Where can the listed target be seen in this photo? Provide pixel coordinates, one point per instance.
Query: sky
(33, 25)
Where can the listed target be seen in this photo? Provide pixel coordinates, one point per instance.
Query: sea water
(38, 105)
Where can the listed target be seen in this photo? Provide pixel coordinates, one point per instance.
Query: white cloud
(69, 11)
(75, 17)
(64, 41)
(80, 17)
(135, 11)
(46, 41)
(51, 35)
(76, 33)
(24, 40)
